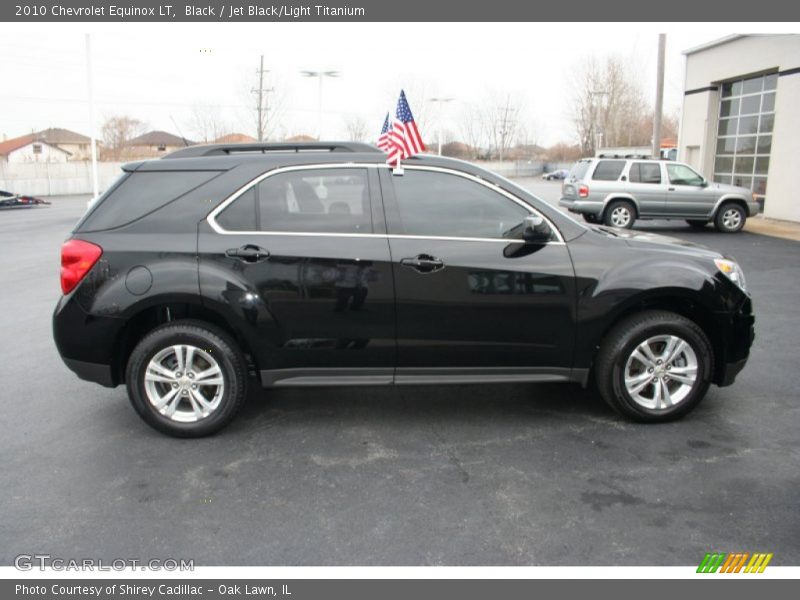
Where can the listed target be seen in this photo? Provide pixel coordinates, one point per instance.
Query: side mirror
(704, 182)
(536, 229)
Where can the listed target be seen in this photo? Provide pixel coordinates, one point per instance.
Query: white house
(31, 149)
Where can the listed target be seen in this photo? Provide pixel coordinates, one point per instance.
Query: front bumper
(739, 333)
(753, 208)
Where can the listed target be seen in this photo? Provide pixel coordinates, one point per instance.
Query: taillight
(583, 191)
(77, 258)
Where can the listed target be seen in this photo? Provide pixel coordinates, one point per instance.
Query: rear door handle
(671, 189)
(424, 263)
(248, 253)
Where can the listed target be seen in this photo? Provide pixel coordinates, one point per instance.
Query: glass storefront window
(744, 140)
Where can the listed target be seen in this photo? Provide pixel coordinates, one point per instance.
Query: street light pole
(320, 75)
(595, 132)
(440, 102)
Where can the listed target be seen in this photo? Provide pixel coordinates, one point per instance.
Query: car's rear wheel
(697, 223)
(654, 366)
(187, 379)
(730, 218)
(620, 214)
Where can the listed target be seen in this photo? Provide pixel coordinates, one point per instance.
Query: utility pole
(659, 105)
(505, 128)
(263, 100)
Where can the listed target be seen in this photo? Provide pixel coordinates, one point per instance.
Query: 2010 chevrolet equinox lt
(317, 265)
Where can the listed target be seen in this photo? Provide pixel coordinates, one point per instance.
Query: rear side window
(645, 173)
(608, 170)
(303, 201)
(579, 169)
(141, 193)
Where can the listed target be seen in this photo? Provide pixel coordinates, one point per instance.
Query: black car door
(473, 299)
(300, 261)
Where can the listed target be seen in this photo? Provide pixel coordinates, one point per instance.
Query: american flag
(404, 136)
(383, 140)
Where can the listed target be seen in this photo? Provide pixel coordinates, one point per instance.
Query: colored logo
(735, 562)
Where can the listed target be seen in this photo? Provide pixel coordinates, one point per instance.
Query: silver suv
(617, 191)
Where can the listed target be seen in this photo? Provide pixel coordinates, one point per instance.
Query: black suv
(318, 265)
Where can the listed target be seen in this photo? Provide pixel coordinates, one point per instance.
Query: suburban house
(30, 149)
(154, 144)
(235, 138)
(49, 145)
(78, 145)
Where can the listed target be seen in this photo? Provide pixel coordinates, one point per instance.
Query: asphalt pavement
(462, 475)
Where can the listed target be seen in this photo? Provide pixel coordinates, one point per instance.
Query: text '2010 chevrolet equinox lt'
(317, 265)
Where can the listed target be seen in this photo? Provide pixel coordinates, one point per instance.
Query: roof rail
(617, 155)
(266, 147)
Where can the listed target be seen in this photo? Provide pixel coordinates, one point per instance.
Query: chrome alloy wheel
(732, 218)
(184, 383)
(661, 372)
(621, 216)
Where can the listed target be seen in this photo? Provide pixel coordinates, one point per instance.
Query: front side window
(608, 170)
(683, 175)
(642, 172)
(445, 205)
(303, 201)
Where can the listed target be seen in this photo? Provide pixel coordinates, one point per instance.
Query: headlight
(732, 270)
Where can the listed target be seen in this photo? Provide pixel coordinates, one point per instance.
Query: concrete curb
(787, 230)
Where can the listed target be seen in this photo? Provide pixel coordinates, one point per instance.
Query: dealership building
(740, 122)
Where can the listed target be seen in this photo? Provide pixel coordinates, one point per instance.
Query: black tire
(697, 223)
(589, 218)
(620, 343)
(616, 211)
(730, 217)
(208, 341)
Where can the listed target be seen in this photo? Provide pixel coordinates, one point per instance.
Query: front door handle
(248, 253)
(671, 189)
(424, 263)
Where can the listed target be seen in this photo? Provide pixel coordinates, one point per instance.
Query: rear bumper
(585, 207)
(753, 208)
(86, 342)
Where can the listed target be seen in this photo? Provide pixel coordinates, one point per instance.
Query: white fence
(62, 179)
(522, 168)
(56, 179)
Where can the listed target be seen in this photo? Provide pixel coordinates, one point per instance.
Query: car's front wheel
(654, 366)
(620, 214)
(730, 218)
(187, 378)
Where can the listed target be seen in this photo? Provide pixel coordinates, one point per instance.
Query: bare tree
(608, 104)
(117, 131)
(357, 128)
(207, 123)
(472, 127)
(501, 114)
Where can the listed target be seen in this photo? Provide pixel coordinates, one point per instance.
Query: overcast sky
(164, 74)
